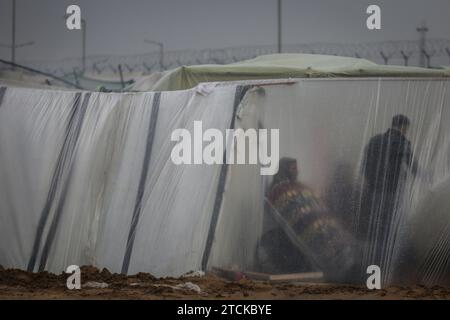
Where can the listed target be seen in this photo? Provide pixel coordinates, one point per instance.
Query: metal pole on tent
(142, 182)
(279, 27)
(161, 52)
(239, 95)
(13, 44)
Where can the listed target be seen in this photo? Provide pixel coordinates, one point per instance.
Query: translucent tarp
(325, 126)
(87, 178)
(78, 170)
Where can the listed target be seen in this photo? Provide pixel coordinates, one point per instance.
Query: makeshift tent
(91, 82)
(81, 170)
(19, 78)
(34, 79)
(326, 125)
(145, 83)
(88, 179)
(280, 66)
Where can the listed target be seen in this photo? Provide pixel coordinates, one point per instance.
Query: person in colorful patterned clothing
(306, 236)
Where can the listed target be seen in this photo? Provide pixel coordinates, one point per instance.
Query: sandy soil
(17, 284)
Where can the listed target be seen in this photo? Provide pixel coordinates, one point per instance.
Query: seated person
(297, 210)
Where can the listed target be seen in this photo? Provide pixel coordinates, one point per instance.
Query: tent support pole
(66, 150)
(142, 182)
(239, 95)
(65, 187)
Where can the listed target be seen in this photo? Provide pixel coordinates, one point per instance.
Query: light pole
(13, 45)
(279, 27)
(161, 52)
(13, 41)
(423, 35)
(83, 42)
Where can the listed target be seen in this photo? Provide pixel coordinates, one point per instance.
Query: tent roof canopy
(277, 66)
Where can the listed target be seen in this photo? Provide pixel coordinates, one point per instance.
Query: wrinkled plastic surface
(93, 170)
(326, 125)
(94, 185)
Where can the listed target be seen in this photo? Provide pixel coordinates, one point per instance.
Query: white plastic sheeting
(430, 236)
(89, 165)
(86, 178)
(326, 125)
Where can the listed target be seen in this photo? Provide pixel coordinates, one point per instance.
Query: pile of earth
(102, 284)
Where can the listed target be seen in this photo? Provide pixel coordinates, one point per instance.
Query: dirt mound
(15, 277)
(18, 284)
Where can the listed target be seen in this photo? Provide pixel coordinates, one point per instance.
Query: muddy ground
(17, 284)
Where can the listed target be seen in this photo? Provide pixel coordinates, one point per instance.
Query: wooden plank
(299, 277)
(304, 276)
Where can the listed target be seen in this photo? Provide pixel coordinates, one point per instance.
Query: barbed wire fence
(406, 52)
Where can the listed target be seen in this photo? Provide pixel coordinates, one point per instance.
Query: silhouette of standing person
(388, 158)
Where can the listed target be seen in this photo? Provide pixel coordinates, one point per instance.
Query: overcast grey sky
(119, 26)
